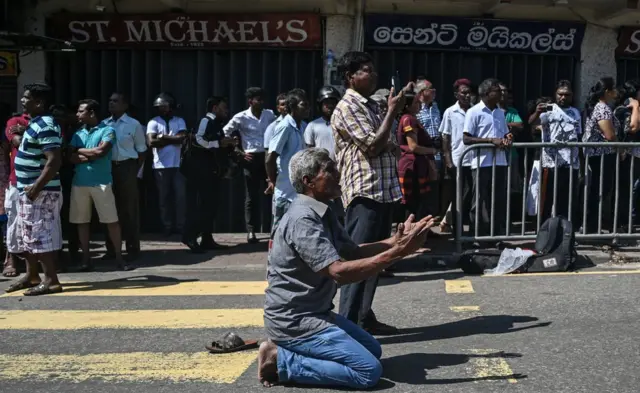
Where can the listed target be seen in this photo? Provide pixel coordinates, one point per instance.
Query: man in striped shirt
(369, 176)
(39, 232)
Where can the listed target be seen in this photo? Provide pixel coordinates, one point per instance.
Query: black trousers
(593, 196)
(626, 186)
(367, 221)
(562, 194)
(255, 203)
(483, 190)
(467, 196)
(69, 231)
(201, 205)
(125, 191)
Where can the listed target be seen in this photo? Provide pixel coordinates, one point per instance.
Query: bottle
(330, 58)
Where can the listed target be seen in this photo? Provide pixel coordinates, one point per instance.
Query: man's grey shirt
(299, 299)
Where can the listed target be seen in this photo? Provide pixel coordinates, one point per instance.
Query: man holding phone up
(369, 177)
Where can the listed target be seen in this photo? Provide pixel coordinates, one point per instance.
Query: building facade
(195, 49)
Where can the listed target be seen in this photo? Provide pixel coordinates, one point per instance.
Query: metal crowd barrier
(531, 235)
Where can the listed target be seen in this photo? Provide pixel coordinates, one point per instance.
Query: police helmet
(328, 92)
(165, 99)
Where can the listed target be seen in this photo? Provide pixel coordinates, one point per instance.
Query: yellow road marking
(458, 286)
(464, 308)
(130, 319)
(155, 288)
(491, 367)
(127, 367)
(580, 273)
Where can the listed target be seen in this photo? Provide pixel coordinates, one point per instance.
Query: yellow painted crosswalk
(134, 319)
(128, 367)
(155, 288)
(92, 359)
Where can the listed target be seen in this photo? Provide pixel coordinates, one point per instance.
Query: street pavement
(145, 331)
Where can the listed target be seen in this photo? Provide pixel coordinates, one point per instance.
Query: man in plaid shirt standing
(430, 119)
(369, 178)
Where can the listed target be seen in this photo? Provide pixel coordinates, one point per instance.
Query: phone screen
(395, 83)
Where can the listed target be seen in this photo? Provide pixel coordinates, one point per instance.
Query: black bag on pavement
(555, 251)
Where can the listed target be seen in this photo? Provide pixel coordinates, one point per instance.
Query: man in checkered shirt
(430, 119)
(369, 177)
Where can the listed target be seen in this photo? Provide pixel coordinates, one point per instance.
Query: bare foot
(268, 364)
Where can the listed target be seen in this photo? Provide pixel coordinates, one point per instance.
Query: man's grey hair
(486, 86)
(307, 163)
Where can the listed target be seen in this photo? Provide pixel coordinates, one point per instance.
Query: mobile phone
(395, 83)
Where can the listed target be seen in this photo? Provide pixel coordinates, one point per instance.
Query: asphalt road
(145, 331)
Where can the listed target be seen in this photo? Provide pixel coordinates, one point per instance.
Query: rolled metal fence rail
(583, 177)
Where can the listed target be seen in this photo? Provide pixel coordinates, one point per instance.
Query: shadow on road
(490, 324)
(413, 368)
(146, 281)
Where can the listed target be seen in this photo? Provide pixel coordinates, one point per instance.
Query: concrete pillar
(338, 39)
(32, 65)
(597, 59)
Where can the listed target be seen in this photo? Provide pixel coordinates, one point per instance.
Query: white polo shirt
(251, 129)
(482, 122)
(452, 124)
(320, 134)
(168, 156)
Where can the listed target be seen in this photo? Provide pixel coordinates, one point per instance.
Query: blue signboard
(483, 35)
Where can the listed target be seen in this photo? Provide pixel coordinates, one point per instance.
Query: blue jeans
(341, 355)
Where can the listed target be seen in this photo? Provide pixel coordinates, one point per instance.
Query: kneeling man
(312, 253)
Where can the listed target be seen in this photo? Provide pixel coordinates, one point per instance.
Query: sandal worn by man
(20, 285)
(43, 289)
(231, 342)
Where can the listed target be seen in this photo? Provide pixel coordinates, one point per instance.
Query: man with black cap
(319, 132)
(165, 134)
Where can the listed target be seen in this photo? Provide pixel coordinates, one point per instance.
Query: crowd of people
(396, 146)
(335, 184)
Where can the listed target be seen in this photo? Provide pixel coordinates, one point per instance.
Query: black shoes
(194, 247)
(251, 238)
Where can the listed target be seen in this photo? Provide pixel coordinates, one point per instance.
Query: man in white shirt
(485, 123)
(451, 128)
(319, 132)
(250, 126)
(165, 134)
(128, 155)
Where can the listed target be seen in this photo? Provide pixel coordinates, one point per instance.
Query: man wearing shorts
(38, 229)
(91, 152)
(15, 128)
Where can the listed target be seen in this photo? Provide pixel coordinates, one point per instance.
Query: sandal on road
(231, 342)
(20, 285)
(43, 289)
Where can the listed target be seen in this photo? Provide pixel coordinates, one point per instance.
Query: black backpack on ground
(555, 251)
(555, 247)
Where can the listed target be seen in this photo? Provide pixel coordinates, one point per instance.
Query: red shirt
(22, 120)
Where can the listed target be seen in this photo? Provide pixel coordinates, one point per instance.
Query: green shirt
(96, 172)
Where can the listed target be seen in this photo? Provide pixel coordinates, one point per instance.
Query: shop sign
(188, 31)
(629, 42)
(8, 64)
(482, 35)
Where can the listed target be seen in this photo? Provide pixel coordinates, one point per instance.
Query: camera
(549, 108)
